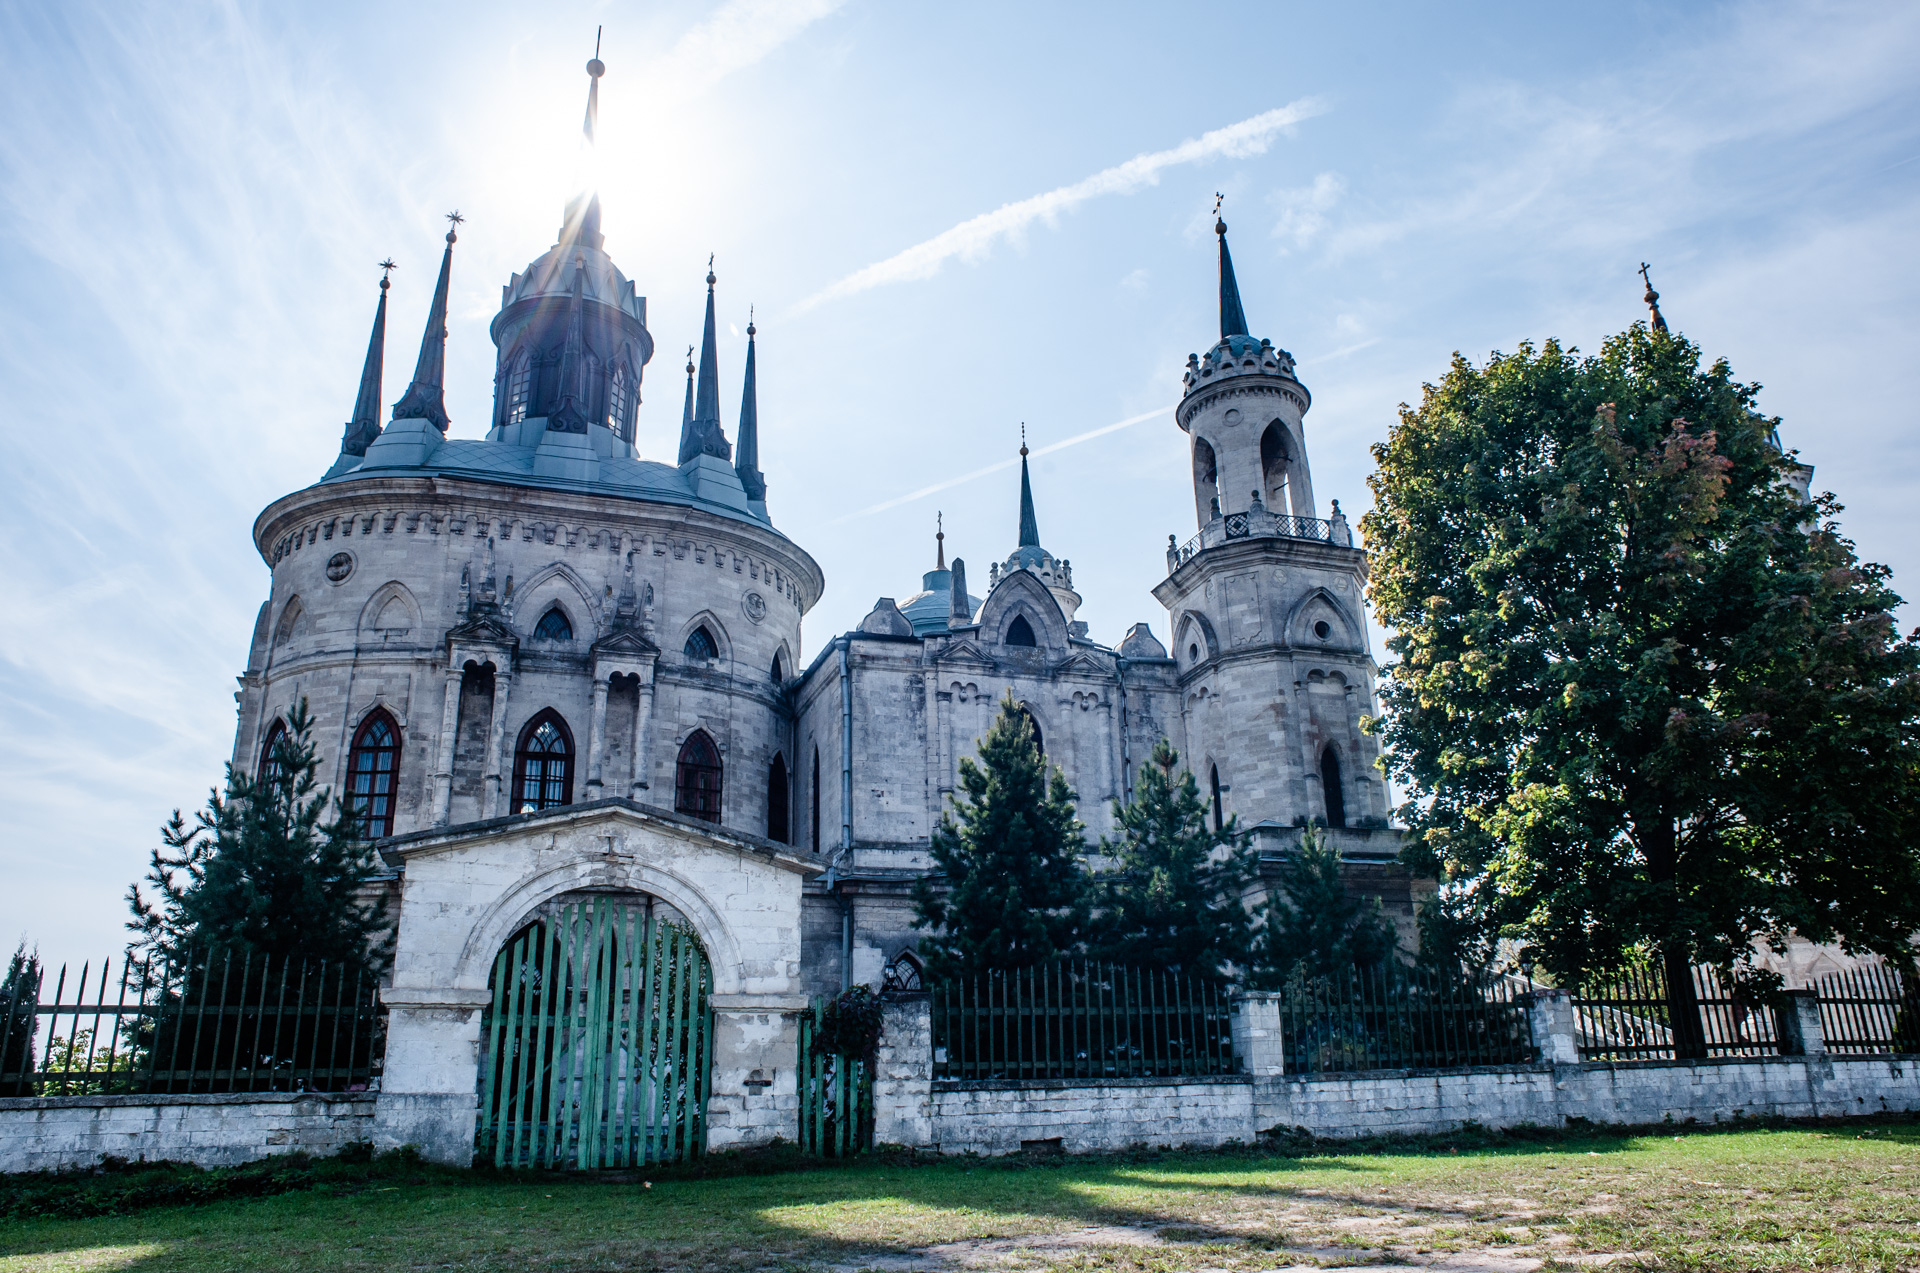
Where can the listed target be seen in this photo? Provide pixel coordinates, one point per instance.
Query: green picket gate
(598, 1042)
(836, 1096)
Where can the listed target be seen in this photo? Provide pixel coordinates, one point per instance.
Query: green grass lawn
(1843, 1197)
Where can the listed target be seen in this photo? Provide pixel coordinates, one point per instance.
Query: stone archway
(466, 891)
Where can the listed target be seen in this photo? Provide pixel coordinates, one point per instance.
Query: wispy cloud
(1159, 413)
(973, 240)
(739, 34)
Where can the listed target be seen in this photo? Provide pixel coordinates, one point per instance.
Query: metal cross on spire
(1652, 298)
(454, 221)
(387, 267)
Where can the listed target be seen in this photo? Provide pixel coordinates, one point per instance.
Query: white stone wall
(49, 1133)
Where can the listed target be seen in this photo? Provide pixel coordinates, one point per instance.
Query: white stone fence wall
(45, 1133)
(1081, 1116)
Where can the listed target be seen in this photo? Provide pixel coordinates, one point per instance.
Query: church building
(543, 666)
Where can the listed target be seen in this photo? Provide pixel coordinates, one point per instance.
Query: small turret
(702, 434)
(747, 459)
(364, 426)
(425, 398)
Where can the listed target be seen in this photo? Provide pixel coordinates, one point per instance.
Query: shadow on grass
(756, 1207)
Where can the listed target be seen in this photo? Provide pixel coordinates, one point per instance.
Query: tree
(19, 1021)
(273, 867)
(1312, 927)
(1643, 689)
(1173, 899)
(1010, 889)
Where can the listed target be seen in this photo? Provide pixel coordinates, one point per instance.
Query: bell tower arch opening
(1206, 481)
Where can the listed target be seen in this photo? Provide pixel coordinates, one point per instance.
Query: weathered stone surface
(48, 1133)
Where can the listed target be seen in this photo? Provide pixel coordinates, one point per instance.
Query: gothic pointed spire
(1652, 298)
(1029, 524)
(686, 412)
(364, 427)
(1233, 318)
(704, 435)
(425, 397)
(747, 458)
(582, 223)
(568, 417)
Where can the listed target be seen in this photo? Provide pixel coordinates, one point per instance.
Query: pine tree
(274, 867)
(19, 1020)
(1173, 899)
(1011, 887)
(1312, 926)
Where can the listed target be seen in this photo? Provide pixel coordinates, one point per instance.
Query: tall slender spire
(1029, 524)
(747, 458)
(364, 427)
(686, 412)
(1652, 298)
(940, 541)
(425, 397)
(568, 417)
(582, 223)
(1233, 318)
(704, 436)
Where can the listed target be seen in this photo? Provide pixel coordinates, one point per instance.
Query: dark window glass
(272, 765)
(779, 670)
(813, 805)
(553, 626)
(1039, 743)
(696, 789)
(543, 765)
(777, 799)
(1331, 789)
(700, 646)
(619, 401)
(1219, 807)
(519, 389)
(1020, 632)
(372, 766)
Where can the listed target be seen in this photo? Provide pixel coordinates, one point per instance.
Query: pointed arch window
(553, 626)
(619, 401)
(701, 647)
(1331, 788)
(543, 765)
(372, 766)
(1020, 632)
(777, 830)
(1275, 460)
(779, 669)
(813, 805)
(1039, 743)
(1219, 805)
(696, 789)
(519, 389)
(273, 764)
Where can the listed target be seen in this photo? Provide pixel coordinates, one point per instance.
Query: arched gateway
(599, 1038)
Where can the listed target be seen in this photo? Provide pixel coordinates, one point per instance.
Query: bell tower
(1267, 606)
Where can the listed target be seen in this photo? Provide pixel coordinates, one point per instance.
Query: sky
(949, 220)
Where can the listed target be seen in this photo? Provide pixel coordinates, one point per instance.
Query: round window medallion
(1233, 415)
(1322, 629)
(755, 605)
(339, 567)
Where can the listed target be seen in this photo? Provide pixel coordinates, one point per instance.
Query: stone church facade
(542, 666)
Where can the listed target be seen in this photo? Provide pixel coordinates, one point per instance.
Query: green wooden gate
(598, 1042)
(836, 1096)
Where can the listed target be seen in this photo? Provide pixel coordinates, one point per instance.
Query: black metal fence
(1389, 1017)
(212, 1022)
(1870, 1009)
(1079, 1019)
(1627, 1015)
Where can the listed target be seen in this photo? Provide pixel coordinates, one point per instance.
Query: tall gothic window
(1039, 743)
(1330, 787)
(701, 647)
(1020, 632)
(543, 765)
(372, 766)
(273, 765)
(619, 400)
(777, 799)
(813, 805)
(779, 669)
(696, 790)
(1219, 805)
(553, 626)
(519, 389)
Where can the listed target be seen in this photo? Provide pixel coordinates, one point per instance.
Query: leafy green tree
(1642, 689)
(1011, 883)
(1312, 927)
(1173, 898)
(19, 1020)
(274, 867)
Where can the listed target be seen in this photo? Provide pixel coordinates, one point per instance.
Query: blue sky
(951, 219)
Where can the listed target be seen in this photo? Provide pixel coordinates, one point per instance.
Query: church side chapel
(560, 682)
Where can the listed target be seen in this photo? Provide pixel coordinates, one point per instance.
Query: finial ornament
(689, 361)
(596, 67)
(940, 541)
(751, 329)
(1652, 298)
(453, 225)
(711, 280)
(387, 268)
(1023, 439)
(1219, 226)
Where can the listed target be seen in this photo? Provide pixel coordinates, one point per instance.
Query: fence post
(1550, 1018)
(1257, 1041)
(1797, 1024)
(903, 1071)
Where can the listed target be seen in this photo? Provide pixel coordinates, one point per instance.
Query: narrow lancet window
(519, 389)
(697, 779)
(1331, 787)
(543, 765)
(372, 766)
(777, 799)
